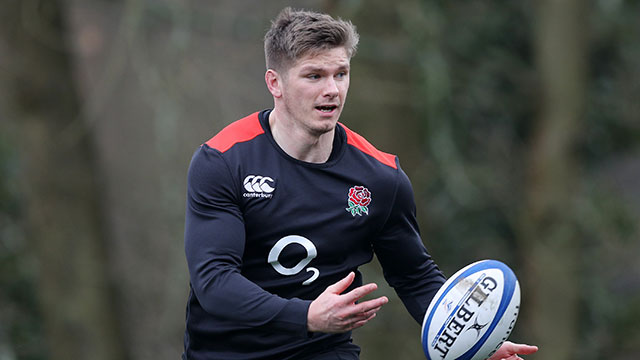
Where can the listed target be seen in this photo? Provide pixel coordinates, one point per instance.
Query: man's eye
(341, 74)
(313, 76)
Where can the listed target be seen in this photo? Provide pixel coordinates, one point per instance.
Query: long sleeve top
(266, 233)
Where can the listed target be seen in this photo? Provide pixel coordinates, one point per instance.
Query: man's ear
(274, 82)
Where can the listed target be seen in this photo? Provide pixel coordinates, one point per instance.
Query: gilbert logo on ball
(473, 313)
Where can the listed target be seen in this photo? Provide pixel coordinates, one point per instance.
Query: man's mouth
(326, 108)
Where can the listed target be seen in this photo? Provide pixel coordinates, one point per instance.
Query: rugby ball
(473, 313)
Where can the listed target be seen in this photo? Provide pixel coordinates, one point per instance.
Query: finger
(369, 305)
(358, 314)
(372, 311)
(342, 285)
(360, 292)
(365, 315)
(523, 349)
(361, 323)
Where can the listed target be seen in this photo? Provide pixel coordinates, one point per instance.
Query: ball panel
(465, 320)
(504, 328)
(468, 295)
(509, 284)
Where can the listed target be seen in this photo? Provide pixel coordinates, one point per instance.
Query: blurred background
(517, 122)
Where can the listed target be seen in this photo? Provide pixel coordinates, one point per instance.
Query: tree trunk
(550, 244)
(60, 182)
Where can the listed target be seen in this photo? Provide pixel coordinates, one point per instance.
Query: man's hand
(510, 351)
(334, 312)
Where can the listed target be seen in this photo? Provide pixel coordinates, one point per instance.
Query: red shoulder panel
(363, 145)
(239, 131)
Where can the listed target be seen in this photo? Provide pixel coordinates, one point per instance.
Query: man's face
(315, 88)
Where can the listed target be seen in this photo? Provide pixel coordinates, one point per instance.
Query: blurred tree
(21, 334)
(485, 105)
(60, 182)
(460, 90)
(549, 241)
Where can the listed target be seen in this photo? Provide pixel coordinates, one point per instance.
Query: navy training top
(265, 234)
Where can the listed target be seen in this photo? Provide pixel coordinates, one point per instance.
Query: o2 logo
(312, 252)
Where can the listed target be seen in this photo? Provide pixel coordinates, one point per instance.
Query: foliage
(460, 75)
(479, 101)
(21, 332)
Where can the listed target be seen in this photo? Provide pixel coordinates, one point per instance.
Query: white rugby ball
(473, 313)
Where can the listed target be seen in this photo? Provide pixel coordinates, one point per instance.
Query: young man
(285, 204)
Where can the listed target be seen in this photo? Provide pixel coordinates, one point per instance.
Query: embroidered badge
(359, 199)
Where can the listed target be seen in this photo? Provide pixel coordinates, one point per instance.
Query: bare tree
(60, 183)
(549, 241)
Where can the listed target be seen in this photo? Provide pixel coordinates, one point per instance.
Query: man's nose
(331, 88)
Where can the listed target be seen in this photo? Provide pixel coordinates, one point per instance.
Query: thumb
(522, 349)
(527, 349)
(342, 285)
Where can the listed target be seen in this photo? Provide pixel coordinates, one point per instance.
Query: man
(283, 207)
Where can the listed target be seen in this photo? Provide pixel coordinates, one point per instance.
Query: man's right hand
(334, 312)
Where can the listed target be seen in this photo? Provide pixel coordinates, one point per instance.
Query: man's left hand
(510, 351)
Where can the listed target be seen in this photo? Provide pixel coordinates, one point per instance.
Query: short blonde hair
(295, 33)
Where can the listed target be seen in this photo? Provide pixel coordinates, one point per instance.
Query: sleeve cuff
(293, 317)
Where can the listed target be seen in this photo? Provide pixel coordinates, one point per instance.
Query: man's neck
(298, 142)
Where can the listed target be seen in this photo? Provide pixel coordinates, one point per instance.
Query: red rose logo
(359, 198)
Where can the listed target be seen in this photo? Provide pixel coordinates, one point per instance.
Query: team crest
(358, 199)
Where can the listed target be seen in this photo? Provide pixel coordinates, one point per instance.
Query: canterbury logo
(259, 186)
